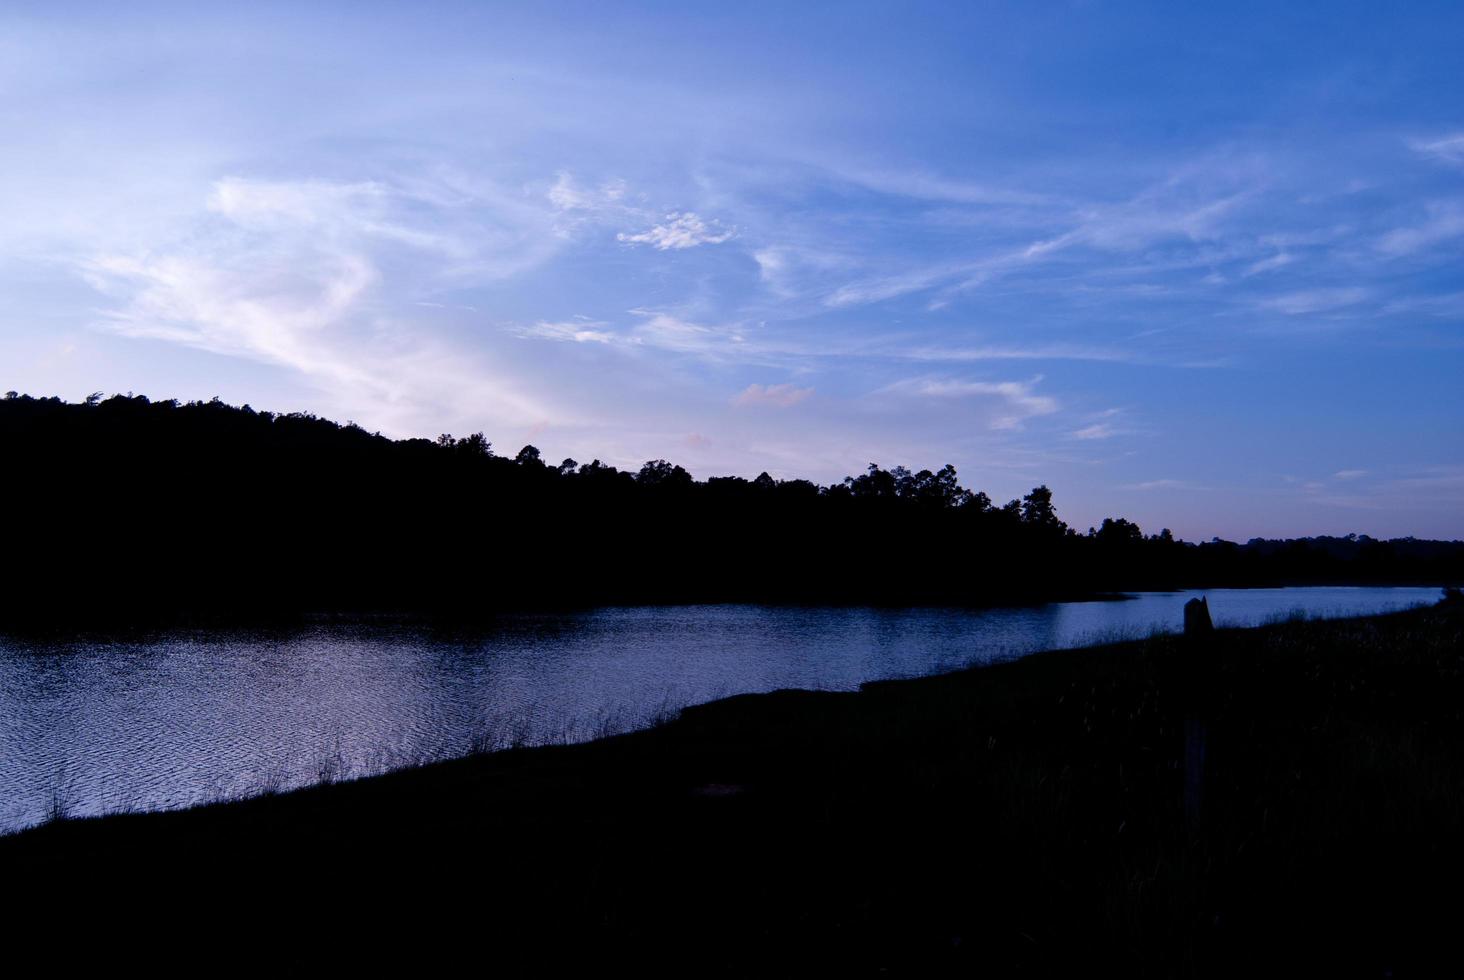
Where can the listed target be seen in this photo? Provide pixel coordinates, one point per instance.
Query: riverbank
(1021, 818)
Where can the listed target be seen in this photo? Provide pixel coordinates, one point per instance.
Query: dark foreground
(1026, 818)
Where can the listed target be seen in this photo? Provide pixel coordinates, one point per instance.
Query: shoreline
(845, 829)
(163, 623)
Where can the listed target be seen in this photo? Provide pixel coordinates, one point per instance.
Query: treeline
(125, 508)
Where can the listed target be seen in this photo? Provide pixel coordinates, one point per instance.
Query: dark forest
(123, 509)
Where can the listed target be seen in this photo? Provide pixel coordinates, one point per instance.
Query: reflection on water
(94, 725)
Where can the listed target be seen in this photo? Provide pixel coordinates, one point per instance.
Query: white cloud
(776, 396)
(657, 330)
(579, 205)
(684, 229)
(1349, 474)
(577, 331)
(661, 331)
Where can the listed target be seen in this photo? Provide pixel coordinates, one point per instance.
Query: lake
(90, 725)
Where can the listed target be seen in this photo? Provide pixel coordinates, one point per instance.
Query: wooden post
(1198, 628)
(1197, 620)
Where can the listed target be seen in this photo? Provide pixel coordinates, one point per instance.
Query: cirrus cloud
(310, 276)
(772, 396)
(1018, 400)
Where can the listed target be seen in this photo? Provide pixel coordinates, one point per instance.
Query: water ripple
(89, 726)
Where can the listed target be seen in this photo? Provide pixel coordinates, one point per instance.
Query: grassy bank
(1022, 818)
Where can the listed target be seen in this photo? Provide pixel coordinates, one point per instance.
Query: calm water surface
(91, 725)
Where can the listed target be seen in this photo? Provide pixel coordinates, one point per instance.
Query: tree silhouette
(1038, 511)
(221, 511)
(659, 473)
(475, 445)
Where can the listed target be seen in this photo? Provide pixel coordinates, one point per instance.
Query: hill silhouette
(125, 509)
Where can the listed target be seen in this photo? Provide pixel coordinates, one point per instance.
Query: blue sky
(1200, 265)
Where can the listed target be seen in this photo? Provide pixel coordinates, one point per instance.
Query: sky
(1197, 265)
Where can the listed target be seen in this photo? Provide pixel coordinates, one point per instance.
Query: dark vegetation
(1024, 818)
(123, 508)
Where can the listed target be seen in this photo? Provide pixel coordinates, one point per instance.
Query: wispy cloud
(568, 194)
(1449, 149)
(797, 271)
(1179, 208)
(1018, 399)
(1278, 261)
(1045, 352)
(1098, 430)
(1445, 221)
(1189, 208)
(654, 330)
(577, 331)
(1166, 483)
(932, 187)
(1106, 424)
(1447, 305)
(774, 396)
(667, 331)
(1317, 300)
(1428, 489)
(872, 290)
(292, 274)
